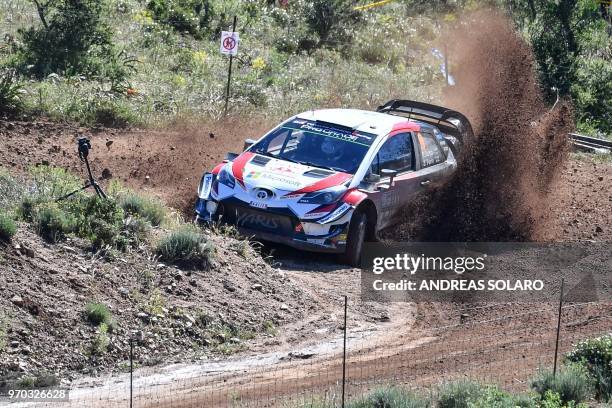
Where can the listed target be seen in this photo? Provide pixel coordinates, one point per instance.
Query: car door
(397, 153)
(432, 163)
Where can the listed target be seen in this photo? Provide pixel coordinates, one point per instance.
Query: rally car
(327, 180)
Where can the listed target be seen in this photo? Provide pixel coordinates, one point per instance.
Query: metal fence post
(558, 327)
(344, 351)
(131, 370)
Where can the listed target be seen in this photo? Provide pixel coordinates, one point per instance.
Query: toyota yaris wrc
(327, 180)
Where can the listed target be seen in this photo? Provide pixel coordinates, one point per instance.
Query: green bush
(97, 313)
(52, 223)
(459, 394)
(10, 92)
(8, 228)
(72, 39)
(493, 397)
(185, 16)
(101, 220)
(148, 208)
(596, 356)
(572, 383)
(186, 247)
(392, 397)
(333, 21)
(100, 342)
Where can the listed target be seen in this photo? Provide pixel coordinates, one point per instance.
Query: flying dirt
(500, 191)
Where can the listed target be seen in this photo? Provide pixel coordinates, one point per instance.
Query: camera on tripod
(84, 146)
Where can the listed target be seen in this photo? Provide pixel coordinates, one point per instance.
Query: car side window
(275, 145)
(396, 154)
(431, 152)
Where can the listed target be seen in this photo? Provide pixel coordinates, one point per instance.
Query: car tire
(355, 239)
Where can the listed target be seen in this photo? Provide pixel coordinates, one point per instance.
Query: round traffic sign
(229, 43)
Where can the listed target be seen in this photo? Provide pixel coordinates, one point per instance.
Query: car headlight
(327, 197)
(225, 177)
(205, 185)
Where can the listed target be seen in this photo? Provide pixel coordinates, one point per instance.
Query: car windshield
(317, 144)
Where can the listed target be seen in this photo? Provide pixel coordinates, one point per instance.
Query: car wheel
(355, 239)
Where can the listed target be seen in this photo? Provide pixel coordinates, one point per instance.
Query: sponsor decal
(331, 181)
(257, 204)
(257, 220)
(339, 212)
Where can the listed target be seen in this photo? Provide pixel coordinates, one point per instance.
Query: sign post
(229, 46)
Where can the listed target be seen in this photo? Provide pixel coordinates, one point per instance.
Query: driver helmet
(331, 148)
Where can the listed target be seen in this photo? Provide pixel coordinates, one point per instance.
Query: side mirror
(231, 156)
(372, 178)
(389, 173)
(248, 143)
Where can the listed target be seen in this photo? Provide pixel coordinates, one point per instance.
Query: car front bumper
(284, 229)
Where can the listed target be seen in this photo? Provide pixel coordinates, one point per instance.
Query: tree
(72, 39)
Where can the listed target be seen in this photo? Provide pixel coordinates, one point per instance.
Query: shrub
(492, 396)
(49, 183)
(392, 397)
(52, 223)
(101, 220)
(72, 39)
(185, 16)
(137, 230)
(332, 19)
(97, 313)
(10, 92)
(186, 247)
(459, 394)
(8, 228)
(100, 342)
(11, 190)
(145, 207)
(571, 383)
(596, 356)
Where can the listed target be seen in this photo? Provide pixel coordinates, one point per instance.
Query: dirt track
(488, 346)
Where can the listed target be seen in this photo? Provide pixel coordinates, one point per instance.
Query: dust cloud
(500, 191)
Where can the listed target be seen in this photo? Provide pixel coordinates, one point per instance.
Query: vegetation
(186, 247)
(459, 394)
(150, 63)
(4, 327)
(595, 355)
(100, 342)
(8, 228)
(97, 313)
(390, 397)
(571, 384)
(148, 208)
(120, 222)
(52, 223)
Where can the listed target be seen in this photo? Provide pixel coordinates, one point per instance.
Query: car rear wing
(447, 120)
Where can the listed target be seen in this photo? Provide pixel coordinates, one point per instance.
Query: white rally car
(326, 180)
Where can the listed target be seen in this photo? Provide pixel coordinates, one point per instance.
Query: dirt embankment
(506, 172)
(167, 163)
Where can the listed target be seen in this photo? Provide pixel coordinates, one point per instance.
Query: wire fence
(502, 344)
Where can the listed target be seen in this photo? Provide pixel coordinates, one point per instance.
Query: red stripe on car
(217, 168)
(405, 126)
(239, 163)
(354, 197)
(327, 182)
